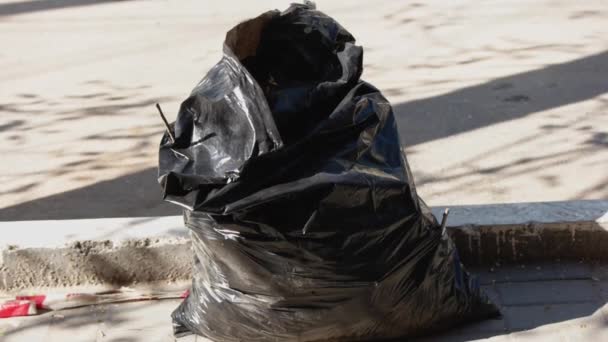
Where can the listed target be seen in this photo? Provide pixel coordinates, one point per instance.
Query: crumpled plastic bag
(304, 217)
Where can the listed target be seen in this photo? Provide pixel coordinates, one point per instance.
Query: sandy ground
(497, 101)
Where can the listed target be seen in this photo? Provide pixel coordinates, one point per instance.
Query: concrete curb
(112, 251)
(530, 232)
(124, 251)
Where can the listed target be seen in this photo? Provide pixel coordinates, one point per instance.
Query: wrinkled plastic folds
(303, 212)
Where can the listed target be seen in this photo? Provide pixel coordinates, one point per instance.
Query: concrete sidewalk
(496, 101)
(539, 302)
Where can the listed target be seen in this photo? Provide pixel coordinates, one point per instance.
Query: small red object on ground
(38, 300)
(16, 308)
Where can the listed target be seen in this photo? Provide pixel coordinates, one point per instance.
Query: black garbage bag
(305, 221)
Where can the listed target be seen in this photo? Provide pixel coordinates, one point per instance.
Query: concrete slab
(61, 233)
(504, 214)
(582, 319)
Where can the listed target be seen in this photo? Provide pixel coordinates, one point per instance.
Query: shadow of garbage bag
(303, 212)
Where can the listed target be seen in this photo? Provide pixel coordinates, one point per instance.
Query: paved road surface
(497, 101)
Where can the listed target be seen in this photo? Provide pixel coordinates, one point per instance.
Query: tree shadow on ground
(419, 121)
(133, 195)
(500, 100)
(24, 7)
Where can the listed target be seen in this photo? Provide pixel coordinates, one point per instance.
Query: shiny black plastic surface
(304, 216)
